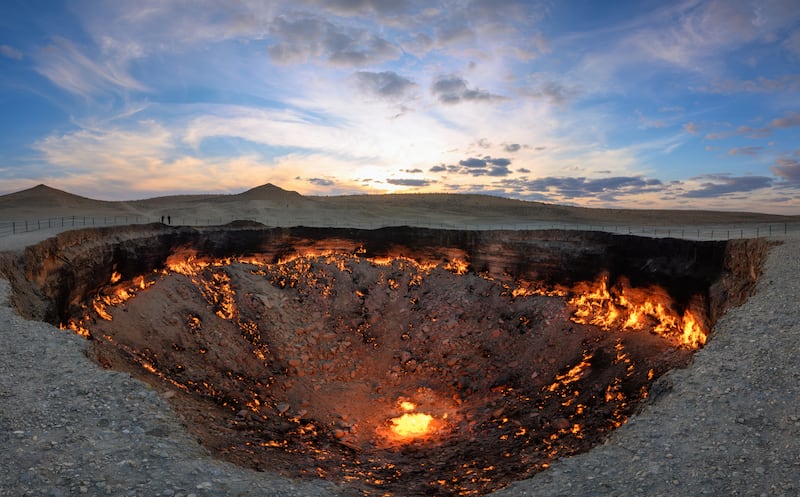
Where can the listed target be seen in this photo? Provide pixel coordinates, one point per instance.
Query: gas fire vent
(403, 361)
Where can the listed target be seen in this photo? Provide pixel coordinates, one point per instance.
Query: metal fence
(704, 232)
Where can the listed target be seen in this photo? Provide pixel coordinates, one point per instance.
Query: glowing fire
(411, 424)
(635, 309)
(626, 308)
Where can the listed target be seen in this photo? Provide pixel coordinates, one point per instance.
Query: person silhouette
(169, 219)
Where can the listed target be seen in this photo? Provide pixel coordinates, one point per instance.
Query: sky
(648, 104)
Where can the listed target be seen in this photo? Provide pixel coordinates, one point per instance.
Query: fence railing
(704, 232)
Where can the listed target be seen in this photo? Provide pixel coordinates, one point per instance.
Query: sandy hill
(270, 193)
(45, 196)
(275, 206)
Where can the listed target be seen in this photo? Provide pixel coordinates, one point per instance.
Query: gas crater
(394, 361)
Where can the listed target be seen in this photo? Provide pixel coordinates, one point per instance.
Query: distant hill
(43, 196)
(269, 192)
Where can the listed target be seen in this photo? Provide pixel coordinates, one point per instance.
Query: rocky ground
(727, 425)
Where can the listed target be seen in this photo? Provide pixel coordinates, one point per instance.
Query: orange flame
(635, 309)
(412, 425)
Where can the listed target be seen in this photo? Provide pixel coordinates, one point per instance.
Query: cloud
(320, 181)
(690, 127)
(300, 37)
(10, 52)
(409, 182)
(387, 84)
(582, 188)
(788, 168)
(454, 90)
(473, 166)
(512, 147)
(786, 83)
(70, 69)
(552, 91)
(714, 185)
(694, 32)
(360, 7)
(791, 120)
(650, 123)
(750, 151)
(792, 43)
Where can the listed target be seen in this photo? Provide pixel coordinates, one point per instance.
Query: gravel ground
(728, 425)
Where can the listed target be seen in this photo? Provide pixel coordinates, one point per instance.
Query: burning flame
(411, 424)
(627, 308)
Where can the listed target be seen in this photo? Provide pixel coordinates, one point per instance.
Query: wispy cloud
(413, 182)
(785, 83)
(67, 67)
(789, 120)
(715, 185)
(788, 167)
(11, 52)
(749, 151)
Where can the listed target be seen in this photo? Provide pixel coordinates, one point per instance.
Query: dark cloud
(409, 182)
(750, 151)
(321, 181)
(299, 37)
(412, 171)
(487, 166)
(387, 84)
(723, 184)
(473, 162)
(357, 7)
(582, 188)
(454, 90)
(512, 147)
(788, 168)
(454, 30)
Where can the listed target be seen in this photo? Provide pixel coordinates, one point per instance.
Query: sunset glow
(623, 104)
